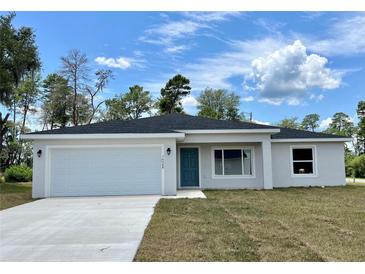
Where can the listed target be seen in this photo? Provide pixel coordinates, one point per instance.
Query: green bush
(357, 165)
(18, 174)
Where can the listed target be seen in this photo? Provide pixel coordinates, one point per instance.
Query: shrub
(18, 174)
(358, 166)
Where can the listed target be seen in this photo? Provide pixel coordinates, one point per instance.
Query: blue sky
(281, 64)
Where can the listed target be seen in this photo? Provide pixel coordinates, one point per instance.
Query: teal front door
(189, 167)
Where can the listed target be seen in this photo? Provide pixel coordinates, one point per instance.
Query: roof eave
(177, 135)
(315, 140)
(225, 131)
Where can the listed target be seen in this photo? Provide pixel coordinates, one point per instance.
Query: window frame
(314, 161)
(214, 176)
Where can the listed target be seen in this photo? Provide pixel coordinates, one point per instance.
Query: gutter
(101, 136)
(312, 140)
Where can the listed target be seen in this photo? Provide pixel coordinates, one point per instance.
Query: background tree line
(71, 97)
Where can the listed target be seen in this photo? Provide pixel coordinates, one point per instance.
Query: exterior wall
(206, 167)
(39, 164)
(329, 160)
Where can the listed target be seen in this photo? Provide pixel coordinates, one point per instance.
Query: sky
(281, 64)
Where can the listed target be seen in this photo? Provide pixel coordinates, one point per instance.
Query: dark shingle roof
(289, 133)
(173, 122)
(157, 124)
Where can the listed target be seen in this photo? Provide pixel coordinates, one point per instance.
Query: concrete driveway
(75, 229)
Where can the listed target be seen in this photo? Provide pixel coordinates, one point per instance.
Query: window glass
(218, 162)
(303, 167)
(247, 166)
(302, 154)
(232, 162)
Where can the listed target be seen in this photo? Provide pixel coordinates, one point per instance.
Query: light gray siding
(207, 180)
(329, 161)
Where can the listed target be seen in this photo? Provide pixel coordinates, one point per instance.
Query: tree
(219, 104)
(75, 69)
(289, 123)
(103, 77)
(175, 89)
(7, 80)
(357, 166)
(310, 122)
(137, 102)
(27, 95)
(130, 105)
(18, 59)
(341, 125)
(15, 151)
(56, 102)
(361, 126)
(84, 109)
(115, 109)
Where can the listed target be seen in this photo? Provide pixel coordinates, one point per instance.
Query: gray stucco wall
(206, 175)
(330, 165)
(39, 164)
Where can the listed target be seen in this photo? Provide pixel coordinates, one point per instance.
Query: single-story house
(159, 155)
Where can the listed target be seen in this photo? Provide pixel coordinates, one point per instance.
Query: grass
(13, 194)
(295, 224)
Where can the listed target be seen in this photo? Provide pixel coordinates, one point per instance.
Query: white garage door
(105, 171)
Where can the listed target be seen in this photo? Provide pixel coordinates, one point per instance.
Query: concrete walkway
(75, 229)
(357, 180)
(187, 194)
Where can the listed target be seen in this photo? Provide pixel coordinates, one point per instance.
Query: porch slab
(187, 194)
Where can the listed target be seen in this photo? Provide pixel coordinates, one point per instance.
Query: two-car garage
(104, 170)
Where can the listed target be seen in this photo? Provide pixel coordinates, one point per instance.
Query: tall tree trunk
(25, 112)
(74, 110)
(3, 130)
(14, 118)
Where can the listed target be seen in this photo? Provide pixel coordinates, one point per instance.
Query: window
(303, 161)
(232, 162)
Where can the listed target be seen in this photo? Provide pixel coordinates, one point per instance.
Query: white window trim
(214, 176)
(315, 170)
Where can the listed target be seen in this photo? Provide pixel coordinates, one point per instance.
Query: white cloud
(292, 101)
(287, 74)
(270, 26)
(173, 34)
(176, 49)
(316, 98)
(325, 123)
(344, 37)
(175, 29)
(211, 16)
(248, 99)
(190, 104)
(189, 101)
(261, 122)
(275, 102)
(215, 71)
(121, 62)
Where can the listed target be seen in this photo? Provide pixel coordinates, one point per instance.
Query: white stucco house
(159, 155)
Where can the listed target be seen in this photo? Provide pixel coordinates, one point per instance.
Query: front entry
(189, 167)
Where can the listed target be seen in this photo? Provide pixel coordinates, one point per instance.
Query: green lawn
(302, 224)
(13, 194)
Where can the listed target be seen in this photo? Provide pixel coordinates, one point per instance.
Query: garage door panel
(105, 171)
